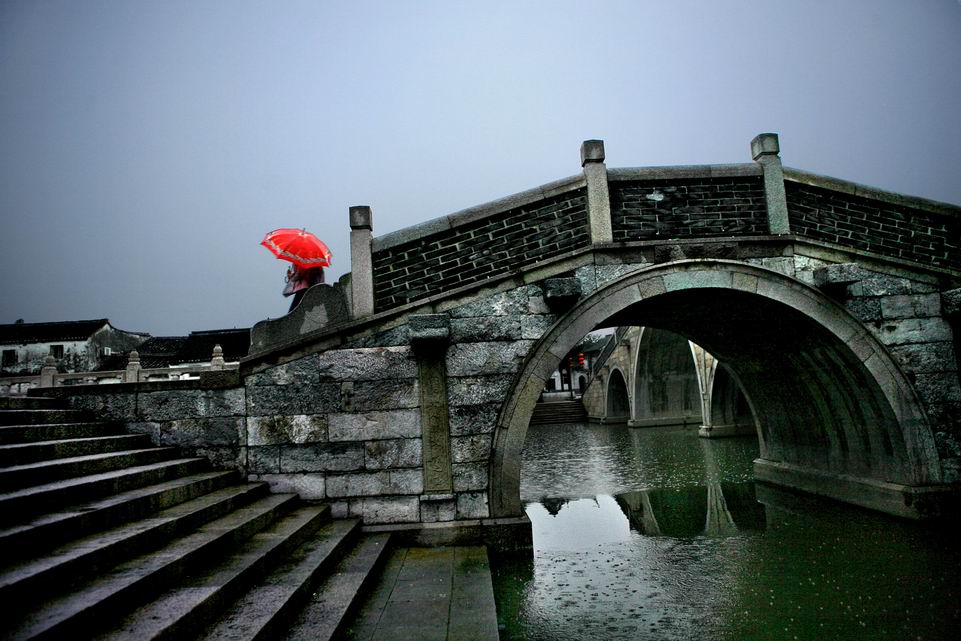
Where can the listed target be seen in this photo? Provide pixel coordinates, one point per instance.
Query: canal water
(658, 534)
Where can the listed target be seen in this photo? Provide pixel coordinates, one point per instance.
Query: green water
(657, 534)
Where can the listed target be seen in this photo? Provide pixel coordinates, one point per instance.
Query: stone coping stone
(679, 172)
(478, 212)
(915, 502)
(866, 191)
(230, 379)
(506, 535)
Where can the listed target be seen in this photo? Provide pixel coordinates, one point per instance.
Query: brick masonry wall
(688, 208)
(492, 246)
(873, 225)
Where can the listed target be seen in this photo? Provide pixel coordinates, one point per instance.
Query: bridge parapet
(623, 207)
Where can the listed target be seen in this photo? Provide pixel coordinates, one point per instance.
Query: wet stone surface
(656, 534)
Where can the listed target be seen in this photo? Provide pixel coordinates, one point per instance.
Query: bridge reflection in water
(656, 534)
(716, 509)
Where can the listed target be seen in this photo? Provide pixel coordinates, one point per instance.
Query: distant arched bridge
(653, 377)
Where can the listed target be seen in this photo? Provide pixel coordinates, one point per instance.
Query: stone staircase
(105, 536)
(559, 412)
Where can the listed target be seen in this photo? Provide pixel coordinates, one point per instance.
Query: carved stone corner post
(765, 149)
(48, 371)
(429, 338)
(361, 261)
(132, 373)
(598, 195)
(217, 358)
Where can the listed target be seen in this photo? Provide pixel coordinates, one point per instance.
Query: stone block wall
(341, 426)
(346, 426)
(688, 208)
(201, 422)
(491, 246)
(874, 225)
(489, 340)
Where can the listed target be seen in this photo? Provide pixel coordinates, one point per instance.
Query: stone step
(85, 607)
(326, 615)
(186, 608)
(41, 416)
(23, 453)
(559, 412)
(265, 611)
(18, 505)
(19, 476)
(48, 530)
(30, 403)
(13, 434)
(31, 579)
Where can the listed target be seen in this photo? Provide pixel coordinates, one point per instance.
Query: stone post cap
(765, 145)
(592, 151)
(361, 217)
(50, 361)
(133, 359)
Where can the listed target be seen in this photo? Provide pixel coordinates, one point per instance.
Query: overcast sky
(148, 146)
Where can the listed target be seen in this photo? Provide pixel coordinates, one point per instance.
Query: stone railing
(602, 207)
(609, 347)
(134, 373)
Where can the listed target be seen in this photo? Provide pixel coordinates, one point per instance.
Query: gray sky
(148, 146)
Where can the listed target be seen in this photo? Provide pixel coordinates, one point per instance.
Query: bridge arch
(829, 401)
(666, 385)
(618, 400)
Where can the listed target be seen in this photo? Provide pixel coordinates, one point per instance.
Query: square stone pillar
(429, 337)
(765, 149)
(598, 196)
(361, 261)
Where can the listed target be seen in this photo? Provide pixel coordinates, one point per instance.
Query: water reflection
(716, 509)
(656, 534)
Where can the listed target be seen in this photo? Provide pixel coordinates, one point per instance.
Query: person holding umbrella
(299, 280)
(308, 255)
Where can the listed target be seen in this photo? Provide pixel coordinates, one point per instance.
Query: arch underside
(729, 406)
(828, 401)
(618, 402)
(666, 390)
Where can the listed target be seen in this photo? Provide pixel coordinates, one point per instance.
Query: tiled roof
(22, 333)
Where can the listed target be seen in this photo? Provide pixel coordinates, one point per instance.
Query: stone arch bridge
(653, 377)
(402, 394)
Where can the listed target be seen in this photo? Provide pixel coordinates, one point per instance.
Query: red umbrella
(298, 246)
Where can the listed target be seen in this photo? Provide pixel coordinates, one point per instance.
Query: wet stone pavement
(430, 594)
(657, 534)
